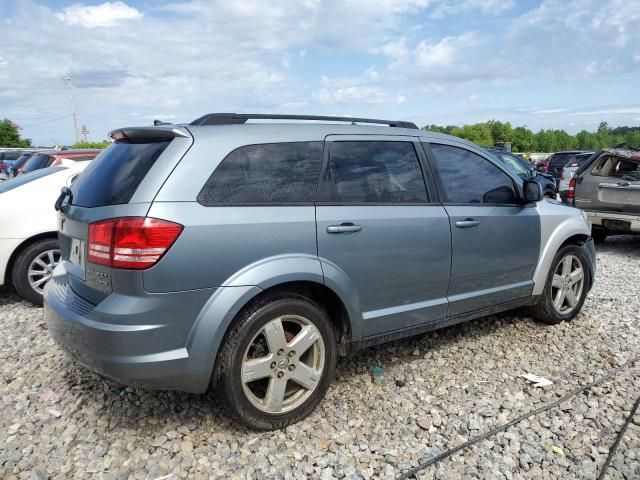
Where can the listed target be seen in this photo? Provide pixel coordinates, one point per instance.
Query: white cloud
(443, 52)
(104, 15)
(454, 7)
(548, 111)
(607, 111)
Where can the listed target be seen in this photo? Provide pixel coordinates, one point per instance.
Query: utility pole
(73, 108)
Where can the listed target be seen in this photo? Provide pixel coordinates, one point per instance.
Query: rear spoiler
(148, 134)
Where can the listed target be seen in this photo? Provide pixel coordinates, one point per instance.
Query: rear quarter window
(114, 175)
(271, 173)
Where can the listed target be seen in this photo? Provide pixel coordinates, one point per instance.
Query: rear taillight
(133, 243)
(572, 189)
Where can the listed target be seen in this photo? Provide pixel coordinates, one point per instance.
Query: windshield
(26, 178)
(515, 164)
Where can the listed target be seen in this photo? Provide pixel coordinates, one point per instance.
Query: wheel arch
(21, 247)
(297, 274)
(556, 232)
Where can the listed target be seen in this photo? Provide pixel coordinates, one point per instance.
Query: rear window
(115, 174)
(27, 177)
(561, 159)
(623, 168)
(282, 173)
(36, 162)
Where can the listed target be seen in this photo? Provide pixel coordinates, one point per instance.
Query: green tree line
(10, 138)
(524, 140)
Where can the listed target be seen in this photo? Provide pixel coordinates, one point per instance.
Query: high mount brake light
(134, 243)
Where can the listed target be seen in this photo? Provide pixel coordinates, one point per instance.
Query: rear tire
(566, 289)
(273, 345)
(33, 268)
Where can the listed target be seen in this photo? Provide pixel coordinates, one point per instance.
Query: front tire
(277, 362)
(566, 289)
(33, 269)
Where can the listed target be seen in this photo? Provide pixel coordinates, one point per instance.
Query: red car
(51, 158)
(542, 165)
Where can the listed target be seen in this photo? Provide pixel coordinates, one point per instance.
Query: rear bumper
(597, 218)
(139, 341)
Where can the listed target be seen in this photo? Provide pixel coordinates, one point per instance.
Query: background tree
(10, 135)
(524, 140)
(102, 144)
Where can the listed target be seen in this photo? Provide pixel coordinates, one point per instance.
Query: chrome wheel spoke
(39, 282)
(304, 339)
(576, 276)
(40, 262)
(274, 333)
(305, 376)
(557, 281)
(274, 397)
(558, 302)
(256, 368)
(571, 298)
(566, 265)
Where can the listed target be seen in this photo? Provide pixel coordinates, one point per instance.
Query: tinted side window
(374, 172)
(267, 173)
(469, 178)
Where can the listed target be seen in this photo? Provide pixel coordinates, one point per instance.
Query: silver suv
(249, 255)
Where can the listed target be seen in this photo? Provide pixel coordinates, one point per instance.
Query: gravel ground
(440, 389)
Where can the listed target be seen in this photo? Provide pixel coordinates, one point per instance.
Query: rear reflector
(132, 243)
(572, 189)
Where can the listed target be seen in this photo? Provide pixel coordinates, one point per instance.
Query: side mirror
(532, 191)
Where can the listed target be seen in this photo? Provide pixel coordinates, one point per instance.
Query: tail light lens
(134, 243)
(572, 189)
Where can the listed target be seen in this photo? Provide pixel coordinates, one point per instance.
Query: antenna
(73, 108)
(84, 132)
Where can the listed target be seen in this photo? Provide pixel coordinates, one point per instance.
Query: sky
(541, 63)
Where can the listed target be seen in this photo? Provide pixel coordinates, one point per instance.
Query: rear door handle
(346, 227)
(468, 223)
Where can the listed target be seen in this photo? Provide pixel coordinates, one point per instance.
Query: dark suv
(249, 256)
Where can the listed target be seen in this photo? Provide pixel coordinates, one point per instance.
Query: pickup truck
(607, 188)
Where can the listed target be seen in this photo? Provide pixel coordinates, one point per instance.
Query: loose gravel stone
(61, 421)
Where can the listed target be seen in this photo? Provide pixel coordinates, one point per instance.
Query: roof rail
(240, 118)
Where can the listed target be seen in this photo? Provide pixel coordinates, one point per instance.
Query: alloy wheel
(283, 364)
(41, 268)
(567, 284)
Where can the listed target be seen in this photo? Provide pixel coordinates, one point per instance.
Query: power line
(47, 121)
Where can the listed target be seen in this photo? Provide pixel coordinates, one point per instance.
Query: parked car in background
(558, 160)
(28, 230)
(607, 188)
(17, 164)
(524, 170)
(568, 172)
(52, 158)
(542, 165)
(249, 256)
(7, 159)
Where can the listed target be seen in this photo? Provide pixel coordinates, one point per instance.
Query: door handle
(346, 227)
(468, 223)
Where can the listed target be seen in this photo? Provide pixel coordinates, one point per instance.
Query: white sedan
(29, 249)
